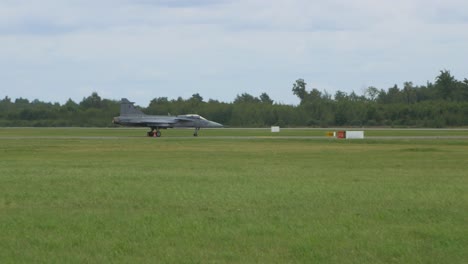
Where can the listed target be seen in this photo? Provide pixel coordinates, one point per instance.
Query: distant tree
(70, 105)
(340, 96)
(464, 90)
(92, 101)
(246, 98)
(194, 104)
(446, 85)
(21, 101)
(355, 97)
(197, 98)
(159, 100)
(299, 89)
(409, 92)
(425, 92)
(162, 106)
(6, 99)
(314, 95)
(326, 96)
(439, 104)
(372, 93)
(394, 95)
(265, 98)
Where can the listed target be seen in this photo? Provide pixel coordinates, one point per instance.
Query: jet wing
(153, 124)
(156, 123)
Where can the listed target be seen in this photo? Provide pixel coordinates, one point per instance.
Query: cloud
(223, 48)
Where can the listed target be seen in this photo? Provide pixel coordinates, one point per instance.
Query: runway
(229, 134)
(233, 137)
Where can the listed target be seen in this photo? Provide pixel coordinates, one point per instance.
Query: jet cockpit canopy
(193, 116)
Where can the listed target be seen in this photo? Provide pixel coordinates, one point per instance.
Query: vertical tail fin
(128, 109)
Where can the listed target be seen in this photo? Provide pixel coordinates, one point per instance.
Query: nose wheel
(195, 134)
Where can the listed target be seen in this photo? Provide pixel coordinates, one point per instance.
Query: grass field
(113, 195)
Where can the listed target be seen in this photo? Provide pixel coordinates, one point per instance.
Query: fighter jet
(131, 116)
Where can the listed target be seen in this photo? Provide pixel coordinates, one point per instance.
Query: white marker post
(275, 129)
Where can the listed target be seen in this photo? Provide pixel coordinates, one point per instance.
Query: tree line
(443, 103)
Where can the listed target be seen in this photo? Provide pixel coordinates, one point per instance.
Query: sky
(53, 50)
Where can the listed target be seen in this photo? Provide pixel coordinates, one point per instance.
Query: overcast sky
(53, 50)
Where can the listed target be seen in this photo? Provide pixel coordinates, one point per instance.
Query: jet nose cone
(214, 124)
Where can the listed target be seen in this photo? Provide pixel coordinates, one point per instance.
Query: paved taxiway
(235, 137)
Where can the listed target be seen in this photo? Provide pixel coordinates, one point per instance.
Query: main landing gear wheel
(153, 133)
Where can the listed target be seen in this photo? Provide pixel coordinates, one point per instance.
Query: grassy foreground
(195, 200)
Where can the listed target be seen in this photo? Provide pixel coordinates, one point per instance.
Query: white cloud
(147, 49)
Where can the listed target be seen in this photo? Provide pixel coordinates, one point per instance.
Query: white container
(355, 134)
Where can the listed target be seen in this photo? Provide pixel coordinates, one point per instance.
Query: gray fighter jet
(131, 116)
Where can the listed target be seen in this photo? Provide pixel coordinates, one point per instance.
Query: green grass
(222, 200)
